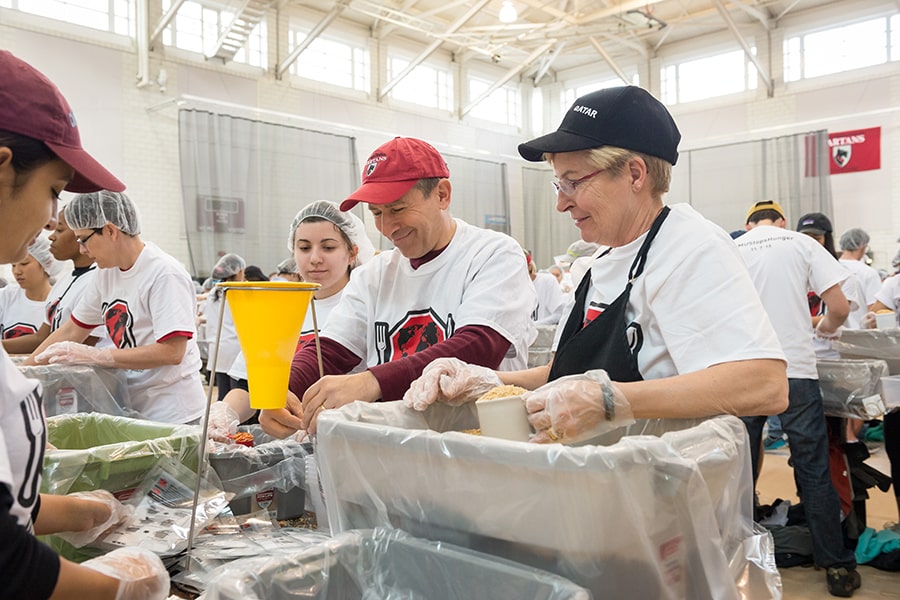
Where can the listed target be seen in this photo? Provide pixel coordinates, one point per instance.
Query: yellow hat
(765, 205)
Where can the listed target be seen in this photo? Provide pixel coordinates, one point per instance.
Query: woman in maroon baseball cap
(41, 155)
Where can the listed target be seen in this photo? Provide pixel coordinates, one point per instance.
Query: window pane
(501, 106)
(88, 13)
(793, 59)
(712, 76)
(895, 37)
(425, 85)
(844, 48)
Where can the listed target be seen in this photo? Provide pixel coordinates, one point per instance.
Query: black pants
(892, 446)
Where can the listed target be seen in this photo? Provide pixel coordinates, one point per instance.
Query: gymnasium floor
(777, 481)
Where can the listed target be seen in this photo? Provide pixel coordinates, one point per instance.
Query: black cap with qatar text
(626, 117)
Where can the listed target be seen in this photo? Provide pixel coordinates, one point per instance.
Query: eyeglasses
(568, 186)
(83, 241)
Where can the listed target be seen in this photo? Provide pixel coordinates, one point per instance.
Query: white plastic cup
(504, 418)
(886, 320)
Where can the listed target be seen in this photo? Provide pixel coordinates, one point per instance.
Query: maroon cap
(31, 105)
(394, 168)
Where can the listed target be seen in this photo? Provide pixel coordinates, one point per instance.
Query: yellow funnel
(268, 317)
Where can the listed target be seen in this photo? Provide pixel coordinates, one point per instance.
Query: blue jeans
(804, 423)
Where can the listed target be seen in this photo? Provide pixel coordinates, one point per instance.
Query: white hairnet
(580, 248)
(228, 266)
(94, 210)
(854, 239)
(287, 266)
(347, 222)
(40, 250)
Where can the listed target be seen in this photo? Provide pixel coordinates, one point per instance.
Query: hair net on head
(228, 266)
(580, 248)
(287, 266)
(40, 250)
(854, 239)
(345, 221)
(94, 210)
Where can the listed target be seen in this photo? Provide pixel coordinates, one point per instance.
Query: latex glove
(451, 381)
(73, 353)
(868, 321)
(576, 408)
(118, 513)
(223, 421)
(141, 573)
(823, 333)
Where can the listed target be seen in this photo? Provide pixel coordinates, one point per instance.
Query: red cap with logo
(31, 105)
(394, 168)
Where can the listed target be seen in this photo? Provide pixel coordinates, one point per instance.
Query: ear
(354, 252)
(443, 192)
(637, 170)
(7, 173)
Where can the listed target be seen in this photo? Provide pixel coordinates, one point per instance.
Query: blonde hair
(614, 160)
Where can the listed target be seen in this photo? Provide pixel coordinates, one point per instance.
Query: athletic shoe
(842, 581)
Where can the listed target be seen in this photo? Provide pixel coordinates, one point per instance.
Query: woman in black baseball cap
(666, 323)
(41, 155)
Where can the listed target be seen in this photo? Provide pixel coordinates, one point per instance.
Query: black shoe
(842, 581)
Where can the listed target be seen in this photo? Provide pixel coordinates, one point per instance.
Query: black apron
(603, 343)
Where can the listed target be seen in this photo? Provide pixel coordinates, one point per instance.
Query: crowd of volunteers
(660, 315)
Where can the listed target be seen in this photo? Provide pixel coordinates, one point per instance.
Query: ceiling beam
(473, 10)
(509, 75)
(336, 10)
(755, 13)
(164, 21)
(547, 62)
(760, 68)
(609, 60)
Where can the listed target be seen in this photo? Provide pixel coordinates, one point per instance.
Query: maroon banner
(853, 151)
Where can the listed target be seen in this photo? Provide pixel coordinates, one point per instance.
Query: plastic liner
(540, 353)
(850, 387)
(871, 343)
(634, 519)
(386, 565)
(69, 389)
(270, 475)
(93, 451)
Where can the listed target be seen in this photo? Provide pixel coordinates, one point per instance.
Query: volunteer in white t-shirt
(785, 265)
(22, 305)
(229, 268)
(550, 297)
(446, 289)
(327, 244)
(854, 244)
(665, 323)
(41, 155)
(145, 298)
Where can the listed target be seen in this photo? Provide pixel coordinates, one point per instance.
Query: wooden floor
(777, 481)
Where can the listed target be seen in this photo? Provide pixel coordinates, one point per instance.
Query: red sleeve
(476, 344)
(336, 360)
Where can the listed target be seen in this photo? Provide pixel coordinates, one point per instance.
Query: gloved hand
(73, 353)
(451, 381)
(868, 321)
(141, 573)
(118, 513)
(824, 333)
(576, 408)
(223, 421)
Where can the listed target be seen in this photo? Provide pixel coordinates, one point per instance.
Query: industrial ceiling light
(508, 13)
(639, 18)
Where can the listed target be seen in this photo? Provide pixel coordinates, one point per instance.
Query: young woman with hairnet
(22, 306)
(229, 268)
(146, 301)
(327, 245)
(41, 155)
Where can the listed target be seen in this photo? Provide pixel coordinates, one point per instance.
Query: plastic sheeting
(69, 389)
(271, 467)
(635, 519)
(386, 565)
(93, 451)
(871, 343)
(850, 388)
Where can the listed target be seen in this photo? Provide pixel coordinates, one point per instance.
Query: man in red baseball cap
(448, 289)
(41, 155)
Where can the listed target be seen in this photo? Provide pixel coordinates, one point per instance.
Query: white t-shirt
(64, 297)
(868, 278)
(390, 310)
(150, 302)
(855, 294)
(23, 438)
(550, 299)
(18, 315)
(694, 302)
(229, 346)
(307, 334)
(785, 265)
(889, 294)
